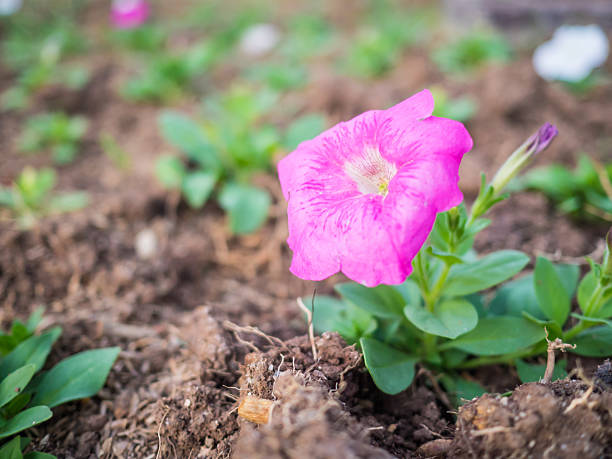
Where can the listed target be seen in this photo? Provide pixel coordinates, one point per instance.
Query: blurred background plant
(471, 51)
(54, 131)
(32, 197)
(585, 192)
(224, 151)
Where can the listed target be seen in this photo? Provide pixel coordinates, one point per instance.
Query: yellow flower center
(371, 172)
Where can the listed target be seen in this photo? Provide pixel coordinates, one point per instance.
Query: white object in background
(259, 39)
(8, 7)
(572, 53)
(146, 244)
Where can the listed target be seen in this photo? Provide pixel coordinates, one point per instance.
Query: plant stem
(437, 288)
(592, 307)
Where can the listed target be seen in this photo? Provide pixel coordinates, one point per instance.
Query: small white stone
(146, 244)
(187, 403)
(8, 7)
(572, 53)
(259, 39)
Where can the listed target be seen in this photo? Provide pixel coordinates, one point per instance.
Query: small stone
(259, 39)
(146, 244)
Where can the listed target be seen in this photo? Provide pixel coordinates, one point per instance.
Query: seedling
(54, 131)
(27, 395)
(585, 192)
(31, 197)
(225, 150)
(471, 52)
(461, 109)
(379, 43)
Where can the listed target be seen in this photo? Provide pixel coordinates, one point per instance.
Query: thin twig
(308, 312)
(557, 344)
(159, 440)
(255, 331)
(579, 401)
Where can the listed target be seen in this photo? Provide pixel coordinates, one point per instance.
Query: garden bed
(181, 311)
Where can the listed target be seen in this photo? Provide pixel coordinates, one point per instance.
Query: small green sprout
(224, 151)
(27, 394)
(55, 131)
(585, 192)
(471, 52)
(31, 197)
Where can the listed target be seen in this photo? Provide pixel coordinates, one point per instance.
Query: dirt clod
(566, 419)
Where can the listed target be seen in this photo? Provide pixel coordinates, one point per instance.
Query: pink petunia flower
(127, 14)
(363, 195)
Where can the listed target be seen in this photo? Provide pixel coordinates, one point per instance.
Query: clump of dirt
(306, 422)
(197, 422)
(338, 379)
(566, 419)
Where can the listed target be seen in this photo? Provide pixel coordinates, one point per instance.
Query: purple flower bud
(541, 139)
(523, 155)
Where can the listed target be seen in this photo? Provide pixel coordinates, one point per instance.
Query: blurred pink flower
(127, 14)
(363, 195)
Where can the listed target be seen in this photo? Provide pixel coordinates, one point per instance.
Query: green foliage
(461, 109)
(25, 400)
(472, 51)
(585, 192)
(279, 76)
(31, 197)
(223, 151)
(444, 317)
(166, 74)
(33, 44)
(379, 43)
(54, 131)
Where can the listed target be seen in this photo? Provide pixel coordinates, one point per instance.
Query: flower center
(371, 172)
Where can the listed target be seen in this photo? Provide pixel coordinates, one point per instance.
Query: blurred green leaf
(197, 187)
(246, 205)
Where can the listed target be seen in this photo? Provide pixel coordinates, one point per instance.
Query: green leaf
(38, 455)
(12, 449)
(391, 370)
(246, 205)
(14, 383)
(7, 198)
(189, 137)
(34, 350)
(446, 257)
(553, 299)
(450, 318)
(498, 336)
(17, 404)
(198, 186)
(410, 291)
(331, 314)
(24, 420)
(68, 202)
(304, 128)
(78, 376)
(381, 301)
(170, 171)
(594, 342)
(554, 329)
(484, 273)
(466, 390)
(34, 319)
(592, 320)
(529, 372)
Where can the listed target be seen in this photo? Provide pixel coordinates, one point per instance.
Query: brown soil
(566, 419)
(183, 371)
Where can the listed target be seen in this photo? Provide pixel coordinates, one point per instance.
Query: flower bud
(523, 155)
